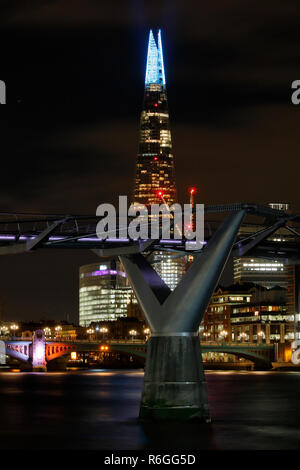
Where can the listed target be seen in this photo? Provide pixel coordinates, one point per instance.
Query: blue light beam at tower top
(155, 72)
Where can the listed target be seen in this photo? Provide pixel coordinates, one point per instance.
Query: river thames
(98, 409)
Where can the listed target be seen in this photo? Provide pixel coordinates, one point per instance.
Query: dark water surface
(98, 410)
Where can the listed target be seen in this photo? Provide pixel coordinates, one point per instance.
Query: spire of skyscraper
(155, 72)
(155, 162)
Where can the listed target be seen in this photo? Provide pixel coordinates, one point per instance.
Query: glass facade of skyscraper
(104, 292)
(169, 266)
(269, 272)
(265, 272)
(155, 162)
(155, 173)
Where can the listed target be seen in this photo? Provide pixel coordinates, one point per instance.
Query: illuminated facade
(104, 292)
(265, 272)
(216, 325)
(155, 162)
(293, 296)
(169, 266)
(280, 206)
(248, 313)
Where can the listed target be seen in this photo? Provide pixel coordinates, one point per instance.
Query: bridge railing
(136, 341)
(14, 338)
(234, 344)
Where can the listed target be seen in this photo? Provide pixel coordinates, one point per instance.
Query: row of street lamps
(242, 336)
(133, 333)
(104, 330)
(58, 329)
(4, 329)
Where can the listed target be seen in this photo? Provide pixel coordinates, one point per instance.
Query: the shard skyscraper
(155, 174)
(155, 162)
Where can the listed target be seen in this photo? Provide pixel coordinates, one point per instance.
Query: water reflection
(98, 409)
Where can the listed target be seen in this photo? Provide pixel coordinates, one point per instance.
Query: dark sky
(75, 70)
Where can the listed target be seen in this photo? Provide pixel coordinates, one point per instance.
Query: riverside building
(104, 292)
(247, 312)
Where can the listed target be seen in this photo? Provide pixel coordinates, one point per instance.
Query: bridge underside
(24, 233)
(37, 358)
(262, 357)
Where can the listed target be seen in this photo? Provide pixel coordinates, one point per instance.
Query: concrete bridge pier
(174, 383)
(38, 352)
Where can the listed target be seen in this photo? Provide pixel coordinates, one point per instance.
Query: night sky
(75, 72)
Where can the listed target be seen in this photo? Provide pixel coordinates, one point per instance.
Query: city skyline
(149, 343)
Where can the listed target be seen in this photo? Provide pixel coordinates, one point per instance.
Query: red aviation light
(155, 159)
(192, 190)
(155, 104)
(160, 193)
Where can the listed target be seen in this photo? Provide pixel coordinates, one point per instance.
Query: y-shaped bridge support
(174, 382)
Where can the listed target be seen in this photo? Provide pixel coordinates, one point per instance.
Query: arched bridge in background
(262, 355)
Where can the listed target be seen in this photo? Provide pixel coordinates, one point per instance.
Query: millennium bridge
(174, 381)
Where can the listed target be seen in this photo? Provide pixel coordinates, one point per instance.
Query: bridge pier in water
(39, 363)
(174, 383)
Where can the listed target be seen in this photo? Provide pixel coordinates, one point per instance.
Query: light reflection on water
(98, 409)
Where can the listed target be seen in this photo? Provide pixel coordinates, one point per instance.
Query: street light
(103, 330)
(147, 332)
(90, 331)
(47, 331)
(133, 333)
(58, 329)
(243, 336)
(4, 329)
(206, 334)
(261, 335)
(223, 334)
(14, 327)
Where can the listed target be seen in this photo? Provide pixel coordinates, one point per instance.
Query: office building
(104, 292)
(246, 312)
(269, 272)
